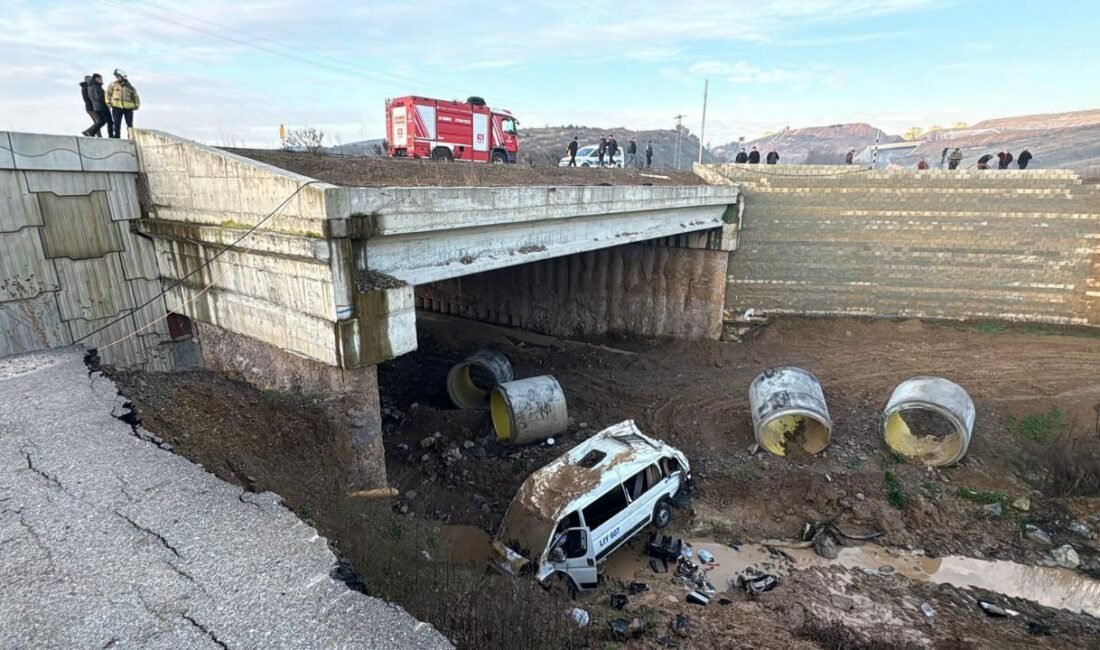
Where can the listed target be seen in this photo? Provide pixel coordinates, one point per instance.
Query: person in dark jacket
(1023, 159)
(1001, 164)
(96, 100)
(754, 156)
(983, 162)
(772, 157)
(571, 151)
(1007, 160)
(87, 102)
(601, 149)
(631, 154)
(612, 149)
(848, 157)
(943, 157)
(955, 158)
(741, 157)
(648, 154)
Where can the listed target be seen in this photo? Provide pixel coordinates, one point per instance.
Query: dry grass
(1072, 464)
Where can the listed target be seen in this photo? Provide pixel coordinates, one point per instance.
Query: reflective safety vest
(124, 96)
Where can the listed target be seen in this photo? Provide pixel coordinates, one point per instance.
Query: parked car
(588, 156)
(570, 515)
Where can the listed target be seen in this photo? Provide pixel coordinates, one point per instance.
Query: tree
(308, 139)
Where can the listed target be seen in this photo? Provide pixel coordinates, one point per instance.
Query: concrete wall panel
(78, 227)
(108, 155)
(45, 152)
(66, 183)
(123, 197)
(93, 289)
(32, 324)
(18, 207)
(24, 270)
(140, 261)
(7, 159)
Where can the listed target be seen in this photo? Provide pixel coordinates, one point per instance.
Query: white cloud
(739, 72)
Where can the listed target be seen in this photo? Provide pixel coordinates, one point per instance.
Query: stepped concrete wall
(1010, 245)
(71, 260)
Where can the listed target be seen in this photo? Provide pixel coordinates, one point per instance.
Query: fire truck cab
(418, 127)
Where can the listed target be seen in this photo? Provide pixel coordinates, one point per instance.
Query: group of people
(1004, 159)
(109, 107)
(753, 157)
(607, 148)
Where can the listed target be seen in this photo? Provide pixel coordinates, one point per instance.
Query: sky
(229, 73)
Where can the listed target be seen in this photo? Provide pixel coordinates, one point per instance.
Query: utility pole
(703, 124)
(679, 131)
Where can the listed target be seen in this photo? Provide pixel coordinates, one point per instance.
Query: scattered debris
(757, 584)
(696, 598)
(680, 625)
(376, 493)
(580, 617)
(1023, 504)
(927, 609)
(659, 566)
(1038, 629)
(1066, 557)
(636, 588)
(705, 556)
(664, 547)
(622, 629)
(993, 510)
(725, 602)
(618, 601)
(1037, 535)
(824, 537)
(1081, 529)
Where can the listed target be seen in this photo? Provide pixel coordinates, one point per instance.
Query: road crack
(208, 632)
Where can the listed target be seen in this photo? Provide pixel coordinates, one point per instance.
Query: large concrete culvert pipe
(470, 382)
(929, 420)
(528, 410)
(788, 405)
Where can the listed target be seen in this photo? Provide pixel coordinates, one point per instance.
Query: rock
(580, 617)
(166, 447)
(993, 510)
(1081, 529)
(1023, 504)
(1037, 535)
(1067, 557)
(410, 495)
(427, 442)
(754, 447)
(843, 603)
(927, 609)
(437, 435)
(425, 458)
(622, 629)
(468, 444)
(860, 497)
(451, 455)
(550, 442)
(582, 425)
(680, 625)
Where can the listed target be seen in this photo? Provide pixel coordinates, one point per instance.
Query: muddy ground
(363, 171)
(1031, 387)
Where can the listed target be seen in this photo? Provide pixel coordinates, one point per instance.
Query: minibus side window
(607, 506)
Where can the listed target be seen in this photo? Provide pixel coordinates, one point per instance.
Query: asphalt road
(108, 540)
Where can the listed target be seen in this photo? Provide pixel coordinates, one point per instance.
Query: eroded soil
(694, 395)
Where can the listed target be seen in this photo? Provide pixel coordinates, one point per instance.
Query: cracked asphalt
(109, 541)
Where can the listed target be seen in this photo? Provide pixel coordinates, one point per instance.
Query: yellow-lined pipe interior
(926, 449)
(777, 432)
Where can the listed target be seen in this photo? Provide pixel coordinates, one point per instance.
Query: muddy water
(467, 545)
(1052, 587)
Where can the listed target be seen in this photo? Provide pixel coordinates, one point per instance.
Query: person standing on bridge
(955, 158)
(983, 162)
(943, 157)
(923, 164)
(631, 154)
(849, 157)
(741, 157)
(754, 157)
(1023, 159)
(648, 154)
(1007, 159)
(572, 151)
(123, 99)
(773, 157)
(98, 111)
(612, 149)
(601, 149)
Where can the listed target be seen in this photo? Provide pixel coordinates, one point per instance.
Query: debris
(376, 493)
(994, 611)
(680, 625)
(927, 609)
(725, 602)
(530, 410)
(754, 585)
(425, 458)
(659, 567)
(1081, 529)
(735, 544)
(468, 444)
(550, 442)
(580, 617)
(686, 552)
(582, 425)
(754, 447)
(618, 601)
(622, 629)
(1037, 629)
(859, 496)
(886, 569)
(1037, 535)
(929, 421)
(787, 406)
(427, 442)
(1023, 504)
(993, 510)
(1066, 557)
(705, 556)
(451, 455)
(696, 598)
(636, 588)
(664, 547)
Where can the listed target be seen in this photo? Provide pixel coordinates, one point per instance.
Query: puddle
(1049, 586)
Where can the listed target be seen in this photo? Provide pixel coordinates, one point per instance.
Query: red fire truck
(418, 127)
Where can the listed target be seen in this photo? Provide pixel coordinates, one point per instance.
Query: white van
(570, 515)
(588, 156)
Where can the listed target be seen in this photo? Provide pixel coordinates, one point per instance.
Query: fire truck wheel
(499, 157)
(442, 153)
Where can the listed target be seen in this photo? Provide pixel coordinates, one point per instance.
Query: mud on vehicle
(569, 516)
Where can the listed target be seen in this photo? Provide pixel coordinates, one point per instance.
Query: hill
(1070, 147)
(814, 144)
(546, 146)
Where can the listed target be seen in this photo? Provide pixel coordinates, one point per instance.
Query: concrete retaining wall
(1012, 245)
(70, 258)
(636, 289)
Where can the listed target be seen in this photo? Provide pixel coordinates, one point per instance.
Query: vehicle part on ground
(754, 585)
(929, 420)
(697, 598)
(664, 547)
(622, 629)
(788, 406)
(470, 382)
(528, 410)
(376, 493)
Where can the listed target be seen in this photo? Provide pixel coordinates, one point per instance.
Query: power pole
(679, 132)
(703, 124)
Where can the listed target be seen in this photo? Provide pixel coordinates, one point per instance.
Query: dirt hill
(546, 146)
(815, 144)
(1043, 121)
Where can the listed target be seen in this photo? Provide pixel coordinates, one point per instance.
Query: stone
(425, 458)
(427, 442)
(410, 495)
(467, 444)
(1023, 504)
(1081, 529)
(993, 510)
(1066, 557)
(583, 425)
(1037, 535)
(451, 455)
(860, 497)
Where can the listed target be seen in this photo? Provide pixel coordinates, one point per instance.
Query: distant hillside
(1043, 121)
(812, 145)
(546, 146)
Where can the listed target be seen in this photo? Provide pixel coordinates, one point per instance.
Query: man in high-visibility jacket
(123, 100)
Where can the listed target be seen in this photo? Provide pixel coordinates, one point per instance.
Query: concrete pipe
(469, 383)
(788, 406)
(528, 410)
(929, 420)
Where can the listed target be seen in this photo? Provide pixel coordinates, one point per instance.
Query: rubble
(1066, 557)
(1037, 535)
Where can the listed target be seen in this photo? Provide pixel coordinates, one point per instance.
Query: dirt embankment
(1030, 387)
(360, 171)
